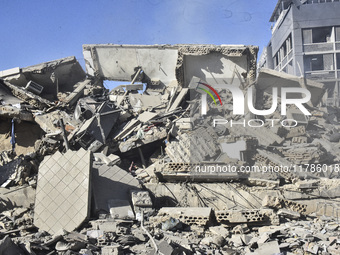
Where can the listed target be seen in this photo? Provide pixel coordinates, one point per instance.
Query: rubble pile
(155, 166)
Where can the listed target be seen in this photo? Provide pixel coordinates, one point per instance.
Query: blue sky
(37, 31)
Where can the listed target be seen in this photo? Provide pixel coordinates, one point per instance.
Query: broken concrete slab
(191, 215)
(6, 96)
(49, 121)
(120, 209)
(288, 214)
(110, 182)
(126, 58)
(266, 79)
(166, 62)
(54, 76)
(94, 131)
(143, 137)
(178, 99)
(109, 160)
(268, 248)
(279, 203)
(219, 230)
(193, 147)
(141, 202)
(72, 98)
(14, 196)
(29, 97)
(63, 191)
(8, 247)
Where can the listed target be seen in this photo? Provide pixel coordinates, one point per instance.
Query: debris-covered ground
(155, 166)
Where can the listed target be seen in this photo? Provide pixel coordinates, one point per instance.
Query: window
(322, 34)
(289, 43)
(317, 35)
(284, 50)
(338, 60)
(337, 34)
(276, 59)
(318, 62)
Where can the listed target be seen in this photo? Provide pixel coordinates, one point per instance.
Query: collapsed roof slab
(167, 63)
(267, 79)
(64, 73)
(118, 62)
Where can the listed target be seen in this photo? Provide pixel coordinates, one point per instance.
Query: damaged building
(162, 163)
(305, 42)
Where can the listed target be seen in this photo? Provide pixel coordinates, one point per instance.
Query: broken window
(318, 62)
(317, 35)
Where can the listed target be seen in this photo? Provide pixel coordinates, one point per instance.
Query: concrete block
(190, 215)
(244, 216)
(279, 203)
(14, 197)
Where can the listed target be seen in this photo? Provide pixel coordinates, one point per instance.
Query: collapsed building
(161, 165)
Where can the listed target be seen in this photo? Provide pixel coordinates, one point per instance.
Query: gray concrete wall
(117, 62)
(215, 68)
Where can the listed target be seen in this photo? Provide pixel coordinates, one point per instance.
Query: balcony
(316, 47)
(320, 75)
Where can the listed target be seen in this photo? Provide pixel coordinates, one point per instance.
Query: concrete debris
(157, 166)
(62, 197)
(278, 203)
(262, 216)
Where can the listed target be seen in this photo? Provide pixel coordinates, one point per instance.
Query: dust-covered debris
(157, 166)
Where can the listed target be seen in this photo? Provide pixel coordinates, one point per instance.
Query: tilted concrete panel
(63, 195)
(267, 79)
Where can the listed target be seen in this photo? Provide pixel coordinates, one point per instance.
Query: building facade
(306, 42)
